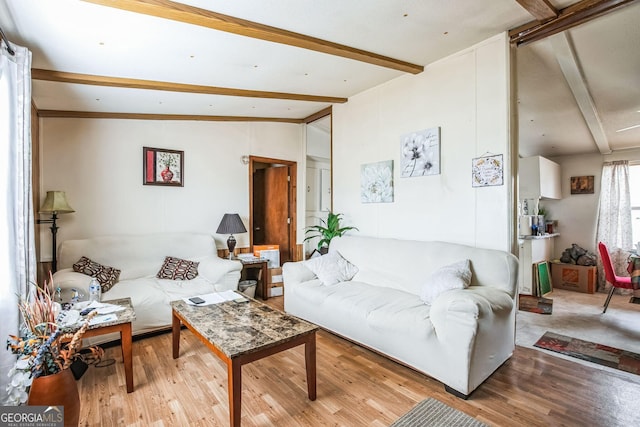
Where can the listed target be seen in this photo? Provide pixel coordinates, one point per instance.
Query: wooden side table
(122, 325)
(261, 265)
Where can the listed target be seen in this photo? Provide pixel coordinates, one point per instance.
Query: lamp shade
(230, 224)
(56, 201)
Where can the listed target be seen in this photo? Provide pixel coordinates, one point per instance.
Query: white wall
(467, 96)
(318, 143)
(577, 214)
(98, 162)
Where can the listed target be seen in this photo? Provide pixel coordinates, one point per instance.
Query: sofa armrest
(294, 273)
(67, 279)
(221, 271)
(456, 312)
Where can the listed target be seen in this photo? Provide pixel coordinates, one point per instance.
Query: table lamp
(55, 203)
(230, 224)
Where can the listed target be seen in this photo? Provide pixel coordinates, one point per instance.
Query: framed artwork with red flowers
(162, 167)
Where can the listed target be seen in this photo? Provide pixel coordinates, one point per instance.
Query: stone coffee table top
(240, 328)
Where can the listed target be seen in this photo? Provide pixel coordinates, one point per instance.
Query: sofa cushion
(178, 269)
(452, 276)
(331, 268)
(106, 276)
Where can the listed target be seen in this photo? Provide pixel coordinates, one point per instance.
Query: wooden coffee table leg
(310, 363)
(234, 375)
(127, 357)
(175, 334)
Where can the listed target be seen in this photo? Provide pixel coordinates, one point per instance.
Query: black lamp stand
(231, 244)
(54, 231)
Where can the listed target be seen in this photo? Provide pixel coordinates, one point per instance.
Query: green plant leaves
(328, 230)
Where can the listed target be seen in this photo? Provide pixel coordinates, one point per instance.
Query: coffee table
(240, 333)
(122, 325)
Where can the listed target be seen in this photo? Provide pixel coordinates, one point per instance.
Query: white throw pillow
(453, 276)
(331, 268)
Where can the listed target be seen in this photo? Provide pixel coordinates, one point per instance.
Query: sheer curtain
(17, 247)
(614, 217)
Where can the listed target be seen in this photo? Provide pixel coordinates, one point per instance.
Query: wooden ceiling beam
(320, 114)
(87, 79)
(142, 116)
(205, 18)
(542, 10)
(568, 17)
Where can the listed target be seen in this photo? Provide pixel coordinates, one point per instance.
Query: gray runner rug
(433, 413)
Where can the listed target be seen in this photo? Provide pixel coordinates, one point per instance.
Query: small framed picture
(582, 184)
(162, 167)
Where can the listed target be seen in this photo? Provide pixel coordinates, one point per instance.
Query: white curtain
(614, 218)
(17, 243)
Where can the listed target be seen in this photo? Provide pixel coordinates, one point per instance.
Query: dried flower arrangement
(44, 347)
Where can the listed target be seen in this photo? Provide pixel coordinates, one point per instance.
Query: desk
(263, 270)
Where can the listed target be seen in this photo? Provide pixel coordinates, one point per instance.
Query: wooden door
(275, 228)
(258, 207)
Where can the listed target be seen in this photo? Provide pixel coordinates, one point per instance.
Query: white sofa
(140, 257)
(460, 339)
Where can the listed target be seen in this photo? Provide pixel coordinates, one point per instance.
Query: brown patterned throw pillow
(178, 269)
(107, 276)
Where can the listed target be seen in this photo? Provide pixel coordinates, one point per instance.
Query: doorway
(319, 194)
(272, 205)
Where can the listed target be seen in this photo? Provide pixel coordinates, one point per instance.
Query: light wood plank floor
(356, 387)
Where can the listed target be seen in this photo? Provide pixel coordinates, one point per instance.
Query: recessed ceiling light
(405, 15)
(101, 43)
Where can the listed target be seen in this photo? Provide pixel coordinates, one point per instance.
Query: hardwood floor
(356, 387)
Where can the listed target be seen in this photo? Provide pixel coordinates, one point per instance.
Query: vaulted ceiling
(286, 60)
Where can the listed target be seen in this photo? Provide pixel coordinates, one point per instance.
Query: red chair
(610, 275)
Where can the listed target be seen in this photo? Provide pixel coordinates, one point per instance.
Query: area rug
(533, 304)
(592, 352)
(433, 413)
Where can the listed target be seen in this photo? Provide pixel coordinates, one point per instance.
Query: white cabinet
(318, 189)
(313, 185)
(539, 178)
(532, 251)
(325, 189)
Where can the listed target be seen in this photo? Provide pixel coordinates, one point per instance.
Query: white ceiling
(81, 37)
(607, 53)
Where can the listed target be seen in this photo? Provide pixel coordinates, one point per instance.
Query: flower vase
(57, 390)
(166, 174)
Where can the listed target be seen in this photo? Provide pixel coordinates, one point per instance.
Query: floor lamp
(55, 203)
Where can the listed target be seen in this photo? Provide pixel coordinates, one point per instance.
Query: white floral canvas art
(420, 154)
(376, 182)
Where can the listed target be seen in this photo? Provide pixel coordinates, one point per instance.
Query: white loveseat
(140, 257)
(460, 339)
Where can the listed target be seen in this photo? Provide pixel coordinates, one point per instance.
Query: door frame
(293, 205)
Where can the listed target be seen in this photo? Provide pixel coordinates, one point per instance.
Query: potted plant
(327, 231)
(46, 350)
